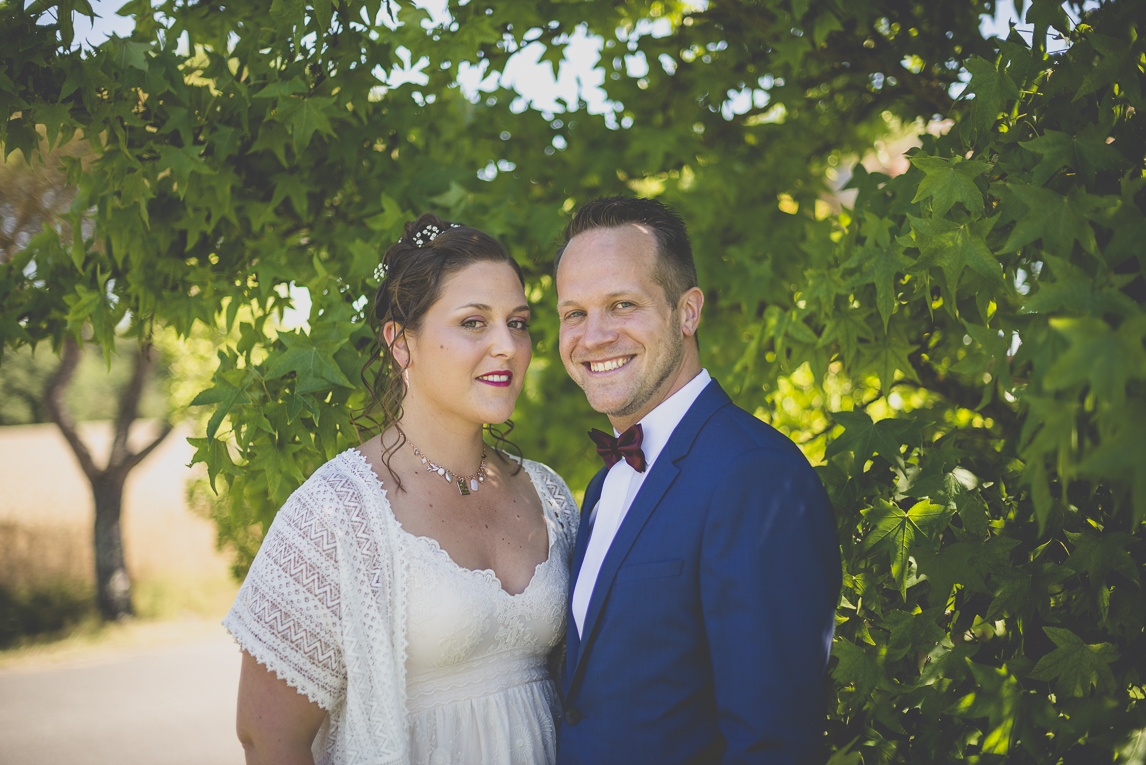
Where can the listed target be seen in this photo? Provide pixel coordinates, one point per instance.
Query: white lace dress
(415, 659)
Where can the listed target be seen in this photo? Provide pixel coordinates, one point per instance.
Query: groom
(706, 571)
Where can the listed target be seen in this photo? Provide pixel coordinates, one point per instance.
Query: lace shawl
(323, 605)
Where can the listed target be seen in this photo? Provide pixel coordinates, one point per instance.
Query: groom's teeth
(605, 366)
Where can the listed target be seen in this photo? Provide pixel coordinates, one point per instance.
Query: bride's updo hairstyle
(411, 275)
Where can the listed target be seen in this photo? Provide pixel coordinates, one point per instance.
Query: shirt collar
(657, 426)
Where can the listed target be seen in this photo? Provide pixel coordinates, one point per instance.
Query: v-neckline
(483, 574)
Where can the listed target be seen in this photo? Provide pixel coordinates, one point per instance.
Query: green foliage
(47, 609)
(963, 346)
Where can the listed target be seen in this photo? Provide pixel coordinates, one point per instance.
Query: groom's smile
(607, 366)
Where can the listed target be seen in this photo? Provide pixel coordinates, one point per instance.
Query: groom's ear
(688, 309)
(395, 336)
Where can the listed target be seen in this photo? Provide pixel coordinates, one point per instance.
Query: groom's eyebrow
(610, 296)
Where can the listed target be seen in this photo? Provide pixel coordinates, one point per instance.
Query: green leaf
(282, 89)
(216, 456)
(846, 328)
(858, 665)
(308, 116)
(865, 438)
(128, 53)
(1117, 65)
(885, 357)
(950, 566)
(1086, 154)
(1096, 555)
(895, 531)
(312, 361)
(182, 161)
(948, 182)
(880, 266)
(1074, 666)
(953, 246)
(1106, 359)
(991, 86)
(1057, 220)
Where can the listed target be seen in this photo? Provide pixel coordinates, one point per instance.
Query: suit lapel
(660, 478)
(572, 639)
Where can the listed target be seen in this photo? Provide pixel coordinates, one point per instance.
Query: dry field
(46, 516)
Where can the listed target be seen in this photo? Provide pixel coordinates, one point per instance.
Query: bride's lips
(499, 379)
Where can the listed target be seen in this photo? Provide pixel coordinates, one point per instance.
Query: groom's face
(621, 340)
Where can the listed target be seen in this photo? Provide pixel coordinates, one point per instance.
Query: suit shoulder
(741, 431)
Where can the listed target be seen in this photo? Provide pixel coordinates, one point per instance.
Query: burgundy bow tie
(626, 446)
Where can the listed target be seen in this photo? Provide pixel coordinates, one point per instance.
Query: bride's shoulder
(552, 481)
(345, 480)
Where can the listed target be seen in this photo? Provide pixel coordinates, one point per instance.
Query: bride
(408, 598)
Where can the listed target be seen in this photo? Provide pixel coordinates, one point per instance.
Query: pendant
(465, 490)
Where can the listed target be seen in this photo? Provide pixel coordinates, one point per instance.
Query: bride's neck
(456, 446)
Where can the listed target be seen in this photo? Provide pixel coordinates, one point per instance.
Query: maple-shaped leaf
(879, 266)
(858, 665)
(865, 438)
(948, 182)
(1057, 220)
(1074, 666)
(998, 695)
(312, 361)
(1118, 63)
(1099, 355)
(215, 454)
(990, 85)
(1122, 455)
(307, 116)
(950, 566)
(896, 531)
(1097, 555)
(226, 395)
(182, 161)
(847, 328)
(1076, 291)
(885, 357)
(1023, 590)
(1086, 154)
(954, 246)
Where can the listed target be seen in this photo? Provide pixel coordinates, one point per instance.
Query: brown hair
(675, 270)
(412, 273)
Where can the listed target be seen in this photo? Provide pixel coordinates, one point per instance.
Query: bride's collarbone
(500, 527)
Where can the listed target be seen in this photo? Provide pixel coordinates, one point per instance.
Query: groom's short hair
(675, 269)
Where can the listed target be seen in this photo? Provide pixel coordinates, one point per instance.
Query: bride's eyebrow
(488, 309)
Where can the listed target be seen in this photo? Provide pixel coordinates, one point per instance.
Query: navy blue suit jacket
(709, 629)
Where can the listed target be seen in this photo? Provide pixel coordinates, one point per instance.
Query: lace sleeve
(288, 612)
(563, 504)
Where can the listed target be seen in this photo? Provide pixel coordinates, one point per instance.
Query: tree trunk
(113, 584)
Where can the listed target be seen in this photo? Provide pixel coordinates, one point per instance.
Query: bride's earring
(406, 377)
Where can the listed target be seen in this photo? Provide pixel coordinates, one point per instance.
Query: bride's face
(467, 362)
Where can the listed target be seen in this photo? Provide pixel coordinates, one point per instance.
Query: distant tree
(33, 201)
(113, 584)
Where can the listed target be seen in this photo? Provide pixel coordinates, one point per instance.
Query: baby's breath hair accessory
(380, 272)
(429, 234)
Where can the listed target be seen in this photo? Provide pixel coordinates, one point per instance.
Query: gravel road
(173, 705)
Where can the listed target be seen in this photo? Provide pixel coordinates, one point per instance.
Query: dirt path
(129, 704)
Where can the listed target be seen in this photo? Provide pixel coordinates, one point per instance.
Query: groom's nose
(597, 330)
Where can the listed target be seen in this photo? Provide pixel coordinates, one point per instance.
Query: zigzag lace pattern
(324, 605)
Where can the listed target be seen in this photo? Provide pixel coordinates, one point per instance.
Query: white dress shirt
(622, 484)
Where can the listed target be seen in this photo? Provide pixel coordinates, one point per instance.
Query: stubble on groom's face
(620, 339)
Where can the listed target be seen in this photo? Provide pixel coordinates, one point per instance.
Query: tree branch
(58, 412)
(129, 407)
(134, 459)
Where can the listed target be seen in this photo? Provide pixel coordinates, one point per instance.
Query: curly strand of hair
(502, 444)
